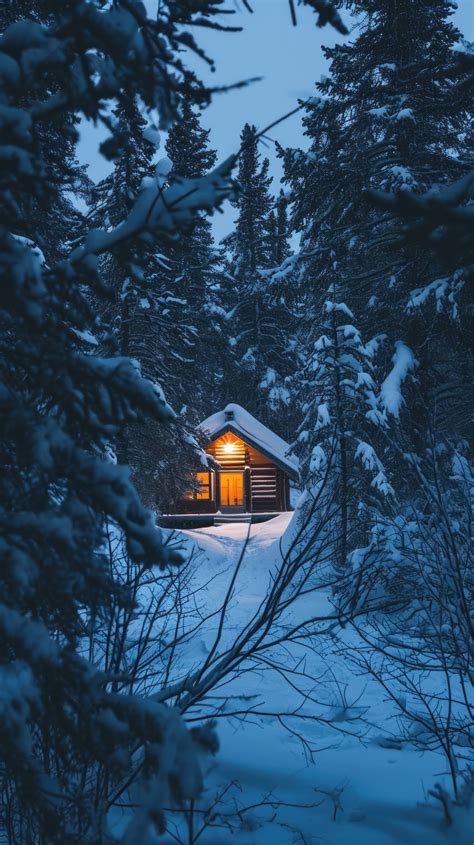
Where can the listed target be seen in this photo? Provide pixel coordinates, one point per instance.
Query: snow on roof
(236, 419)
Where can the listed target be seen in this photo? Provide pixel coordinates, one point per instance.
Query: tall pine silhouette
(195, 272)
(385, 119)
(260, 336)
(145, 317)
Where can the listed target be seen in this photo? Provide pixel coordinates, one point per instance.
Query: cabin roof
(236, 419)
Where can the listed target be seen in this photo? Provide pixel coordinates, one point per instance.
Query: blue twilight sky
(289, 59)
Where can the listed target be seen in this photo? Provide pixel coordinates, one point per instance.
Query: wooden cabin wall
(266, 486)
(265, 490)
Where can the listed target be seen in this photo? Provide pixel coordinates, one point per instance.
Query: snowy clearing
(355, 789)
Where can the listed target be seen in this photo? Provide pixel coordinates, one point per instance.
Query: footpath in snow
(352, 790)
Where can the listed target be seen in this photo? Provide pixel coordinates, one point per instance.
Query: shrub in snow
(421, 652)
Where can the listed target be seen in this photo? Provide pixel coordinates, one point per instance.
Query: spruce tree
(385, 119)
(194, 273)
(146, 317)
(339, 438)
(260, 334)
(70, 741)
(279, 231)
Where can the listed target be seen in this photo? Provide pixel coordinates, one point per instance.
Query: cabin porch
(207, 520)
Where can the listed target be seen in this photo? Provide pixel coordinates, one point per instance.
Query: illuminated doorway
(232, 490)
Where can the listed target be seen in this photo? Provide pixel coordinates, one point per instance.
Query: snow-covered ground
(355, 789)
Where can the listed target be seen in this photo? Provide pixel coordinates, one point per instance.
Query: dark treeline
(284, 333)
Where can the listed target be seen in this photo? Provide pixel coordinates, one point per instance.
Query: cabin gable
(288, 466)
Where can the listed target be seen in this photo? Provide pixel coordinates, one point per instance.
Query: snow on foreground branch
(61, 408)
(164, 212)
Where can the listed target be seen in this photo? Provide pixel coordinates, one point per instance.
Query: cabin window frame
(196, 495)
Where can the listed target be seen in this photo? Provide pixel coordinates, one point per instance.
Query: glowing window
(203, 480)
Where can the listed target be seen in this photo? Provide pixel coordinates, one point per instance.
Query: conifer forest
(237, 419)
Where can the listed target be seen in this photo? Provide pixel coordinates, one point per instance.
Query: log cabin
(248, 467)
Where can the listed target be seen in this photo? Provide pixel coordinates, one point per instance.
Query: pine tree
(261, 336)
(385, 119)
(110, 202)
(195, 272)
(146, 317)
(339, 436)
(61, 722)
(279, 231)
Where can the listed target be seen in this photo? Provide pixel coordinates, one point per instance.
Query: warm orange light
(228, 447)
